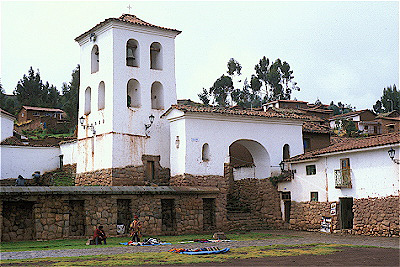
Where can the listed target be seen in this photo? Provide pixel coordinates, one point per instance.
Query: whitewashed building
(345, 173)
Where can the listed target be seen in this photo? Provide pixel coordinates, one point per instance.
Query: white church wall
(126, 123)
(7, 126)
(70, 152)
(25, 160)
(220, 132)
(243, 173)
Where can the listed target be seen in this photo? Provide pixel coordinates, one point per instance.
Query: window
(101, 96)
(133, 93)
(366, 127)
(311, 170)
(155, 56)
(132, 53)
(390, 128)
(205, 152)
(306, 144)
(88, 100)
(150, 171)
(286, 196)
(36, 114)
(314, 196)
(95, 59)
(157, 96)
(286, 151)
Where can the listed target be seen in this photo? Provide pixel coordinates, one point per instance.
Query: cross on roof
(129, 8)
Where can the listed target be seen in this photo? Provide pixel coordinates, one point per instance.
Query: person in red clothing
(99, 235)
(136, 228)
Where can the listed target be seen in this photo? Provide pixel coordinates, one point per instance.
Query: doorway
(208, 214)
(346, 212)
(168, 216)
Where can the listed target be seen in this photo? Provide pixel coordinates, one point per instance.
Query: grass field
(160, 258)
(114, 241)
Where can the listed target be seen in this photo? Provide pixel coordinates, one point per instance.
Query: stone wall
(307, 216)
(376, 216)
(259, 198)
(221, 182)
(372, 216)
(74, 214)
(128, 175)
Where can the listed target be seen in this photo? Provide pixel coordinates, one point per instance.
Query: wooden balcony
(343, 178)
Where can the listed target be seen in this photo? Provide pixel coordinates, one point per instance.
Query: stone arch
(133, 93)
(101, 96)
(95, 59)
(157, 96)
(249, 159)
(88, 100)
(156, 60)
(132, 53)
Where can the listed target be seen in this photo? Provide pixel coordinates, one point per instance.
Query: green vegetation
(114, 241)
(160, 258)
(39, 134)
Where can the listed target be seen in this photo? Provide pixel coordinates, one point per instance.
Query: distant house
(316, 135)
(318, 110)
(347, 183)
(30, 118)
(293, 104)
(363, 120)
(388, 122)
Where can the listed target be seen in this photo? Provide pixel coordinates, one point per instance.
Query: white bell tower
(127, 81)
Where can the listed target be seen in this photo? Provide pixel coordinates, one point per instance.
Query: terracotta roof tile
(350, 144)
(43, 109)
(127, 18)
(7, 113)
(351, 113)
(240, 112)
(315, 127)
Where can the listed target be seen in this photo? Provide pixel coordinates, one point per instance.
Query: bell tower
(127, 82)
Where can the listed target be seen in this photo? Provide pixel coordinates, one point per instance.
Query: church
(181, 168)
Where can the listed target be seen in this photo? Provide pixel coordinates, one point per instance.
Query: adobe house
(363, 120)
(31, 118)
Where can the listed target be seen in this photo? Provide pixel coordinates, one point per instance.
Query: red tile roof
(316, 127)
(355, 143)
(239, 112)
(349, 114)
(7, 113)
(43, 109)
(130, 19)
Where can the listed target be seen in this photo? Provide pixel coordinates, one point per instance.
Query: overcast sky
(340, 51)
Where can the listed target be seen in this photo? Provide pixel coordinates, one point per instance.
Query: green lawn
(160, 258)
(114, 241)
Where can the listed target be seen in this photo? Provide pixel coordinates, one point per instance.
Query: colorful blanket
(200, 251)
(140, 244)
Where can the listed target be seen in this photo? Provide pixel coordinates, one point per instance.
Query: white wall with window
(372, 173)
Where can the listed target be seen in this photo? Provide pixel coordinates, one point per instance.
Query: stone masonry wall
(307, 216)
(376, 216)
(261, 197)
(221, 182)
(372, 216)
(50, 216)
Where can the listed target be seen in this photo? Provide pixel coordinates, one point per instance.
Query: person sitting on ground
(20, 181)
(135, 228)
(99, 235)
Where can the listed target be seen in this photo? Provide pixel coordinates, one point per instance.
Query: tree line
(32, 91)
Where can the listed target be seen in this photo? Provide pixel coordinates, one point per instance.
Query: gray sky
(340, 51)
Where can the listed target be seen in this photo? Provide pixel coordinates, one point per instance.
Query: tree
(390, 100)
(221, 89)
(340, 108)
(70, 96)
(276, 78)
(204, 97)
(29, 90)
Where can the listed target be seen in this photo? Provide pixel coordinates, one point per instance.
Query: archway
(249, 159)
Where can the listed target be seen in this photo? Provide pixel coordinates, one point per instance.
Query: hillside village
(185, 167)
